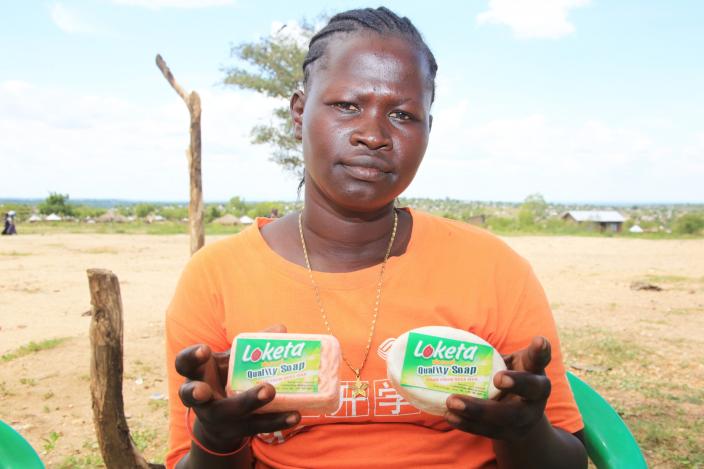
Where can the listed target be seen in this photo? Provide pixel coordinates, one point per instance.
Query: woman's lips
(364, 173)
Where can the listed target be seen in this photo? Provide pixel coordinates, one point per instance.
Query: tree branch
(166, 71)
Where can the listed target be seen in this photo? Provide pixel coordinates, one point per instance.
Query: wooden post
(106, 374)
(193, 154)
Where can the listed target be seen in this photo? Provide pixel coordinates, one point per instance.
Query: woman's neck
(340, 240)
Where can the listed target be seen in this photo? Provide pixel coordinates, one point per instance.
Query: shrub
(56, 203)
(689, 223)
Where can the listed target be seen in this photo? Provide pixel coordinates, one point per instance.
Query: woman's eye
(400, 115)
(346, 107)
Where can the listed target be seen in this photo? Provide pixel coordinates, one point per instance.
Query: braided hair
(381, 21)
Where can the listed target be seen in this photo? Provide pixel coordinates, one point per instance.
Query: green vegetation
(212, 213)
(660, 413)
(82, 212)
(600, 349)
(137, 227)
(533, 216)
(690, 223)
(56, 203)
(143, 438)
(237, 206)
(533, 210)
(156, 405)
(28, 381)
(50, 441)
(88, 461)
(273, 69)
(668, 278)
(33, 347)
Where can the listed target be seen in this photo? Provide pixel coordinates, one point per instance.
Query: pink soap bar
(304, 369)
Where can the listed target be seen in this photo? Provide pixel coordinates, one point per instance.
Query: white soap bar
(304, 369)
(428, 364)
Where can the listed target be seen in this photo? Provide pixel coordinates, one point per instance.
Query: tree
(237, 206)
(212, 213)
(534, 208)
(262, 209)
(276, 61)
(689, 223)
(144, 209)
(56, 203)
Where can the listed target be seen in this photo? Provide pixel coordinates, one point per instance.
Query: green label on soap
(291, 366)
(447, 365)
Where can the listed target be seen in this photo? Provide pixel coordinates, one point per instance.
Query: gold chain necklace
(359, 388)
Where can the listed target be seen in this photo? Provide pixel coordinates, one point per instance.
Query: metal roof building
(605, 220)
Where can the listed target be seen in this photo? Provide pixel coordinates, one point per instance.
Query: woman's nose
(372, 132)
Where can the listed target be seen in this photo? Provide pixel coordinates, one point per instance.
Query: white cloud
(104, 147)
(507, 159)
(69, 20)
(532, 18)
(158, 4)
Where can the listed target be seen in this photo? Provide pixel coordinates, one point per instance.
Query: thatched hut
(227, 219)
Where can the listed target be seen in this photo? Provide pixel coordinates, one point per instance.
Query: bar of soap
(428, 364)
(304, 369)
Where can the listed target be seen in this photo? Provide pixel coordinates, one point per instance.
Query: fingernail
(263, 394)
(292, 419)
(506, 381)
(456, 404)
(453, 419)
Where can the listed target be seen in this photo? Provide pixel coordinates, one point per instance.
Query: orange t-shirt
(451, 274)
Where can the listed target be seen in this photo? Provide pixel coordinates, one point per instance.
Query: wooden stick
(193, 154)
(195, 207)
(166, 71)
(106, 373)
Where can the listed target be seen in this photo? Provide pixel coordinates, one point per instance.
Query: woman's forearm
(543, 447)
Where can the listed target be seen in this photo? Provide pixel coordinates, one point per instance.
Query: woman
(353, 265)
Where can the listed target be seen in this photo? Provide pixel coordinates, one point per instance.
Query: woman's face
(364, 120)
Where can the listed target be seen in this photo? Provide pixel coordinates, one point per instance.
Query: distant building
(636, 229)
(478, 220)
(604, 220)
(227, 219)
(111, 217)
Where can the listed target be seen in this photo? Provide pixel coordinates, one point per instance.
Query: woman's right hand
(222, 422)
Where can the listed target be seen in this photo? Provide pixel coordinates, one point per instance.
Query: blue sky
(579, 100)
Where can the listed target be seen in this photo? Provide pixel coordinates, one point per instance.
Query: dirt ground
(643, 350)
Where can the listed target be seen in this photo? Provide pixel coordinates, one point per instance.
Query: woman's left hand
(525, 390)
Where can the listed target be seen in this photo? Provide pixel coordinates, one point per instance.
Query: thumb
(537, 356)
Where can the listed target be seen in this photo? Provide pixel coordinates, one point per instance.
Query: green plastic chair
(15, 451)
(610, 444)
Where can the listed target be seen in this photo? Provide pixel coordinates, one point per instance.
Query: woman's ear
(298, 101)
